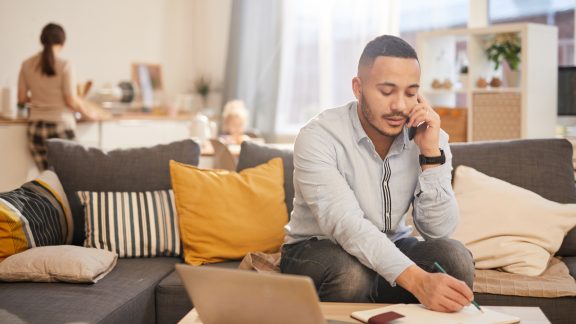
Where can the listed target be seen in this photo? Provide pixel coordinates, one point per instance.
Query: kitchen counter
(161, 116)
(124, 131)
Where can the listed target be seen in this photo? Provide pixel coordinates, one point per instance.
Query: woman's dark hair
(52, 34)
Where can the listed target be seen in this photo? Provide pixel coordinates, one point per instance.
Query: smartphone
(412, 130)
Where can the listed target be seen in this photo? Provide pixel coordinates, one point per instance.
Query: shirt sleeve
(68, 80)
(332, 201)
(435, 208)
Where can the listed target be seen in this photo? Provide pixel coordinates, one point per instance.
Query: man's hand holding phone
(424, 124)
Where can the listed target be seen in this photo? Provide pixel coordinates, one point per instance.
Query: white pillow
(67, 263)
(507, 227)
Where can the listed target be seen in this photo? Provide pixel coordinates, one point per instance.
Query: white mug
(8, 105)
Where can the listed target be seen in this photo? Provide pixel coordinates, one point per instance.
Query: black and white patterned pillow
(36, 214)
(132, 224)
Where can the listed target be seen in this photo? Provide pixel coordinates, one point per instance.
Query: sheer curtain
(252, 67)
(290, 59)
(321, 43)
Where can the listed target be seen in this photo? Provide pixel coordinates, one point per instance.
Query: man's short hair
(386, 45)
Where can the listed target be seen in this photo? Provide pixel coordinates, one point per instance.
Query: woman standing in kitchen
(47, 85)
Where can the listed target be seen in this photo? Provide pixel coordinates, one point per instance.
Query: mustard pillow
(507, 227)
(224, 215)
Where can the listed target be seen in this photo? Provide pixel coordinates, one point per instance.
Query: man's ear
(357, 87)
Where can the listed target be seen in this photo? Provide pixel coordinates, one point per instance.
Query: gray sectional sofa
(147, 290)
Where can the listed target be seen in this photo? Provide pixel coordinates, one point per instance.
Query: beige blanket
(261, 262)
(554, 282)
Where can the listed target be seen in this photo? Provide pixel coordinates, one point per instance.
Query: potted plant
(506, 47)
(203, 87)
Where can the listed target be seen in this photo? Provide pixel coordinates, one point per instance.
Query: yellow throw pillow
(224, 215)
(508, 227)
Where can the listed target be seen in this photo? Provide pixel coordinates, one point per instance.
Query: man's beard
(367, 112)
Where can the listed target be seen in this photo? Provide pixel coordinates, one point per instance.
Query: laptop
(224, 296)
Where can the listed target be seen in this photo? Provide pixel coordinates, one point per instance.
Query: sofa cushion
(224, 214)
(571, 264)
(125, 295)
(568, 247)
(503, 225)
(253, 154)
(67, 263)
(36, 214)
(91, 169)
(172, 301)
(543, 166)
(132, 224)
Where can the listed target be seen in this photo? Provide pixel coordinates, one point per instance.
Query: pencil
(439, 267)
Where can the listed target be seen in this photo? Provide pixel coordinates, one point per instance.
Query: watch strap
(433, 159)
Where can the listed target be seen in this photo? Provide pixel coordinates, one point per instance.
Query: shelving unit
(524, 111)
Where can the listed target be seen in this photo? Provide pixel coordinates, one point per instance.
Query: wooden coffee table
(342, 311)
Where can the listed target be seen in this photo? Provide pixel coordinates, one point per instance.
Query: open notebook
(416, 313)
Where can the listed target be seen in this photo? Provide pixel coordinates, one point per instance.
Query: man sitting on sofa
(356, 172)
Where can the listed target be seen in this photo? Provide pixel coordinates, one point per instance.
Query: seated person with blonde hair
(234, 119)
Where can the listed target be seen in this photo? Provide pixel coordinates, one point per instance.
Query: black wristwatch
(433, 159)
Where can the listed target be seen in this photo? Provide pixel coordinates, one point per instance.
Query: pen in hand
(439, 267)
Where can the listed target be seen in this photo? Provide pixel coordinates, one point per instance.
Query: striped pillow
(132, 224)
(36, 214)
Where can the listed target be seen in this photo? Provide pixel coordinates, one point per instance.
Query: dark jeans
(340, 277)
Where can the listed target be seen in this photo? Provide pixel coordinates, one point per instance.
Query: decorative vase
(463, 78)
(200, 128)
(511, 77)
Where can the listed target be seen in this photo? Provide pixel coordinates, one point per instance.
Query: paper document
(416, 313)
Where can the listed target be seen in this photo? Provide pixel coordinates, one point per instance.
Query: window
(322, 42)
(559, 13)
(421, 15)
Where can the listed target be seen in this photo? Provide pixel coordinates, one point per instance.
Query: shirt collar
(359, 133)
(400, 142)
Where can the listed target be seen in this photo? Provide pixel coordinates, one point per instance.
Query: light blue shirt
(345, 192)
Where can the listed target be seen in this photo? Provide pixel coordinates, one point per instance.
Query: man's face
(386, 93)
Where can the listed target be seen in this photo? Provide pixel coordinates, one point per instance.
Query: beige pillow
(67, 263)
(507, 227)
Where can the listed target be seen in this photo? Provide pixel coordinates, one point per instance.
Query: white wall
(203, 50)
(104, 37)
(188, 37)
